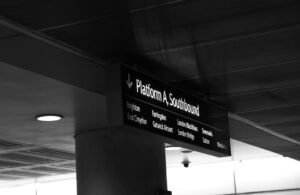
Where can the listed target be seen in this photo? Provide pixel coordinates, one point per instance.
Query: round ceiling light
(49, 117)
(172, 148)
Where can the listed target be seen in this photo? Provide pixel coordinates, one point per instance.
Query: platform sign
(151, 105)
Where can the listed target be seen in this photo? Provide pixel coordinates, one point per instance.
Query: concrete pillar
(119, 162)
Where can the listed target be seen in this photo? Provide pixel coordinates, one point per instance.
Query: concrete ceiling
(30, 148)
(25, 94)
(242, 55)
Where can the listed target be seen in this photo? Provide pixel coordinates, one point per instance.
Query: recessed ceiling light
(49, 117)
(172, 148)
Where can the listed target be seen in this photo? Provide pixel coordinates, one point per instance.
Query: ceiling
(242, 55)
(30, 148)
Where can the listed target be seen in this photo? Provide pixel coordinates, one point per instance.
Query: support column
(119, 162)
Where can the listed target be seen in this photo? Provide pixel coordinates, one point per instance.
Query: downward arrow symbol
(128, 82)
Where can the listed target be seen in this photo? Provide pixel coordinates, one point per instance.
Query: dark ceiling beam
(43, 55)
(103, 17)
(13, 161)
(24, 30)
(233, 71)
(259, 91)
(35, 166)
(252, 133)
(77, 22)
(263, 128)
(43, 172)
(235, 37)
(13, 176)
(222, 27)
(26, 148)
(267, 101)
(60, 166)
(280, 121)
(50, 158)
(171, 4)
(268, 108)
(276, 116)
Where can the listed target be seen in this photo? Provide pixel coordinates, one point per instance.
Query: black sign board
(162, 109)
